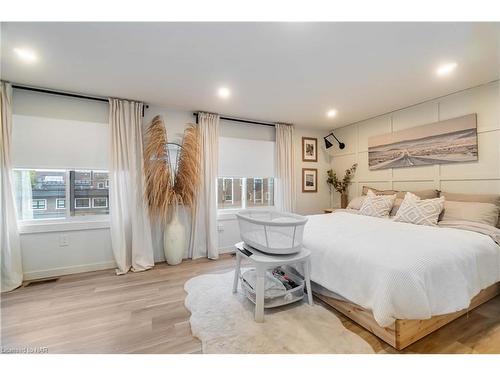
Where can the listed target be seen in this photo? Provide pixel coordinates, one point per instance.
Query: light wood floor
(98, 312)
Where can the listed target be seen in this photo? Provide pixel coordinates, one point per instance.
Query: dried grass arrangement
(188, 172)
(165, 187)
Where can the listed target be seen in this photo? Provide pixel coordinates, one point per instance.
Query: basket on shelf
(287, 297)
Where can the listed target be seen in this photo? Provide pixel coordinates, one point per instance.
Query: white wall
(482, 176)
(87, 250)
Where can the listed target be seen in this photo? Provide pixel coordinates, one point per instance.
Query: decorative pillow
(419, 211)
(356, 203)
(482, 198)
(422, 194)
(395, 207)
(377, 205)
(366, 189)
(485, 213)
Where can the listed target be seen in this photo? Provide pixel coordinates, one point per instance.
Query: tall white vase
(174, 240)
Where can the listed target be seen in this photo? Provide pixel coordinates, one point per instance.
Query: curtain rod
(63, 93)
(236, 119)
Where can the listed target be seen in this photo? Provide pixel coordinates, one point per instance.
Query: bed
(400, 281)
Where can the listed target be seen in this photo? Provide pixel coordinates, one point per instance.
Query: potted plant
(341, 185)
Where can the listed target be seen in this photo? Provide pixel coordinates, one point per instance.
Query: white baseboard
(33, 275)
(226, 249)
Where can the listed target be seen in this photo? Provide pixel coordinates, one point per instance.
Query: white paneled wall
(482, 176)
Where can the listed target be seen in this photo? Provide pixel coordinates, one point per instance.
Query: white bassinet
(272, 231)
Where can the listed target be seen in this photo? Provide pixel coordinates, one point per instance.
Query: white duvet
(399, 270)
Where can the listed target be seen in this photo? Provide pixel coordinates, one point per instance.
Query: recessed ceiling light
(26, 55)
(224, 92)
(446, 69)
(331, 113)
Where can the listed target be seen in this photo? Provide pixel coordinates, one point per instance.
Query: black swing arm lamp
(329, 140)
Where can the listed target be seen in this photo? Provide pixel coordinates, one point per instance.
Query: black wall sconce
(330, 138)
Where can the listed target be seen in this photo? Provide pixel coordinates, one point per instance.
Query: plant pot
(174, 240)
(343, 200)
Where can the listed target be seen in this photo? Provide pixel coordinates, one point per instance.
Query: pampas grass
(188, 170)
(164, 189)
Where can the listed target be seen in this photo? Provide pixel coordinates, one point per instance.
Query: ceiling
(290, 72)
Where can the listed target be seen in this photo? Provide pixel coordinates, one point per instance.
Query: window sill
(63, 225)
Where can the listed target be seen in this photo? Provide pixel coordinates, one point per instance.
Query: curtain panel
(204, 239)
(130, 225)
(10, 244)
(285, 168)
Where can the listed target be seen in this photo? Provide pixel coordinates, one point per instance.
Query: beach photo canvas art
(443, 142)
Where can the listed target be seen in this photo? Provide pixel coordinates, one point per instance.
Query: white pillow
(377, 205)
(356, 203)
(419, 211)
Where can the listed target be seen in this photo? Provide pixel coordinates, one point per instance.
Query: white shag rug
(224, 322)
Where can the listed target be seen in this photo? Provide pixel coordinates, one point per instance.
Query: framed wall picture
(309, 180)
(309, 149)
(443, 142)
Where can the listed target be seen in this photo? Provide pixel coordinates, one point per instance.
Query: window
(235, 192)
(39, 204)
(91, 192)
(60, 204)
(42, 194)
(246, 168)
(82, 203)
(260, 192)
(58, 171)
(100, 202)
(229, 192)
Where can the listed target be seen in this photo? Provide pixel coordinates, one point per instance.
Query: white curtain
(11, 263)
(285, 168)
(130, 226)
(204, 224)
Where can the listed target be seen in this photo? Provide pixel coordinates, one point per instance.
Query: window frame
(224, 179)
(57, 203)
(222, 213)
(83, 208)
(255, 179)
(107, 202)
(68, 222)
(39, 200)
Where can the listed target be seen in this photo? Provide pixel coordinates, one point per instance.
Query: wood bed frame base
(404, 332)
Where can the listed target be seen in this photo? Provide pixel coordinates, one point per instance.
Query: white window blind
(41, 142)
(59, 132)
(246, 157)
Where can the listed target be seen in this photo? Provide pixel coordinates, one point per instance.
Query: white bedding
(399, 270)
